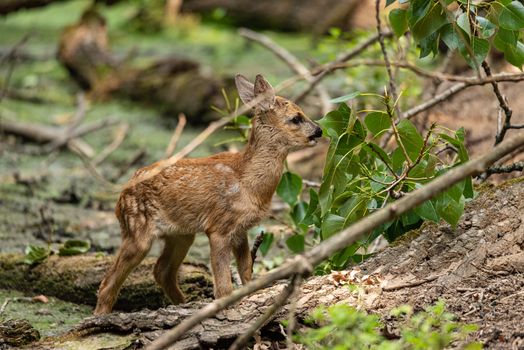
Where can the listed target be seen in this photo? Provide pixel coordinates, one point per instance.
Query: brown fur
(223, 195)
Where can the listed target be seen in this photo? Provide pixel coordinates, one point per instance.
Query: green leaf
(505, 38)
(377, 122)
(487, 29)
(399, 21)
(463, 22)
(289, 188)
(296, 243)
(331, 224)
(340, 260)
(379, 152)
(427, 211)
(410, 138)
(480, 48)
(345, 97)
(450, 37)
(311, 216)
(429, 45)
(74, 247)
(267, 240)
(417, 10)
(398, 159)
(515, 55)
(430, 23)
(299, 212)
(338, 121)
(512, 16)
(35, 254)
(448, 209)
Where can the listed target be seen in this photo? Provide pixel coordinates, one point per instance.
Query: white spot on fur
(223, 168)
(233, 188)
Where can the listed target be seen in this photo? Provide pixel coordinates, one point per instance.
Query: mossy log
(171, 84)
(76, 279)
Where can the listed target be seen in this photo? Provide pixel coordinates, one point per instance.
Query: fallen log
(174, 85)
(476, 268)
(76, 279)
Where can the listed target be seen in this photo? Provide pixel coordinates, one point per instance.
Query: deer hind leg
(243, 258)
(132, 251)
(220, 245)
(167, 265)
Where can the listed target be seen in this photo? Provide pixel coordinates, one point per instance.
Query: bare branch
(502, 103)
(67, 135)
(119, 138)
(241, 341)
(328, 68)
(291, 61)
(291, 323)
(176, 135)
(303, 263)
(392, 85)
(501, 169)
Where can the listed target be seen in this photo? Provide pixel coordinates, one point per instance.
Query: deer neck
(263, 163)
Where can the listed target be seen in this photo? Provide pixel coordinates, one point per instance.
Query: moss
(48, 319)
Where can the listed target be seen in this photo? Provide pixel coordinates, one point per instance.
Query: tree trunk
(76, 279)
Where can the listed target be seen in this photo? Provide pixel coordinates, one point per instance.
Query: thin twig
(176, 135)
(242, 340)
(113, 146)
(328, 68)
(392, 85)
(410, 284)
(291, 323)
(503, 103)
(73, 125)
(291, 61)
(11, 56)
(394, 127)
(503, 169)
(305, 262)
(91, 168)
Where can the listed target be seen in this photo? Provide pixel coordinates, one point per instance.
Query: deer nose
(318, 132)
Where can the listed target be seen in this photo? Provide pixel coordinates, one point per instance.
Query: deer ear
(246, 90)
(264, 89)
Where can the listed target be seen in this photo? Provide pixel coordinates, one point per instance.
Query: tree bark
(76, 279)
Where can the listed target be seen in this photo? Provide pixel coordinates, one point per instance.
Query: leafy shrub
(343, 327)
(360, 177)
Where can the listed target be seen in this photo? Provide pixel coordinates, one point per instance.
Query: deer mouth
(312, 140)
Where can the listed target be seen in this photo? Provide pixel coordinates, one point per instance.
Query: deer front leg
(243, 258)
(220, 245)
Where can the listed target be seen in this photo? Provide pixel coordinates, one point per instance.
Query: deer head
(279, 118)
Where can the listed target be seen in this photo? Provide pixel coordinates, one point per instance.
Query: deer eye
(297, 119)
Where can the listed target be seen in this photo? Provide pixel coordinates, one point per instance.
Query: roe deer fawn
(223, 195)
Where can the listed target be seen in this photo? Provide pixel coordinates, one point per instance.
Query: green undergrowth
(344, 327)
